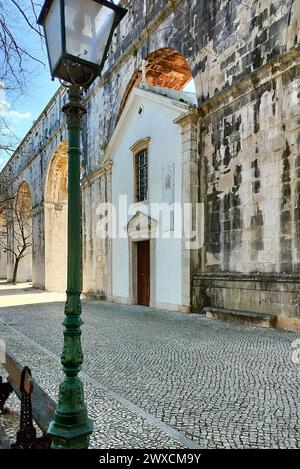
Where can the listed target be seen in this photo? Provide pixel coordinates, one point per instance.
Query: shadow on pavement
(19, 291)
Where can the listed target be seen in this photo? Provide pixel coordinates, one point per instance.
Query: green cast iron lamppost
(78, 34)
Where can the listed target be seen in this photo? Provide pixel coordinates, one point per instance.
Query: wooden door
(143, 271)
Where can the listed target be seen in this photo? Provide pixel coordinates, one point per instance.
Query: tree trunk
(15, 271)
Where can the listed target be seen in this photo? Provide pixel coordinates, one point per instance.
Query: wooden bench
(31, 395)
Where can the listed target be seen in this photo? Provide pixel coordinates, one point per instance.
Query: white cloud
(19, 116)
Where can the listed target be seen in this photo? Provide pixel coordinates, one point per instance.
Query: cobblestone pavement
(156, 379)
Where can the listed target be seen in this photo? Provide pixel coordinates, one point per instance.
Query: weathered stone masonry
(244, 58)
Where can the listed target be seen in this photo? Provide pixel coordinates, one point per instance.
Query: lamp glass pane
(88, 25)
(53, 32)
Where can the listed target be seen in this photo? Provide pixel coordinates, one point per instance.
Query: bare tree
(14, 57)
(18, 209)
(18, 18)
(16, 61)
(5, 199)
(8, 140)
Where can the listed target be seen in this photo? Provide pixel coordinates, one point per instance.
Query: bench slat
(43, 406)
(4, 441)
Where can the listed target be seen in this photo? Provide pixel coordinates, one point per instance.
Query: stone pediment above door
(141, 226)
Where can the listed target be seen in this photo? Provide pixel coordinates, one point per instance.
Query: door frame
(133, 271)
(143, 273)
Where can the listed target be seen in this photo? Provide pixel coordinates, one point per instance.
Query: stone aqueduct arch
(23, 206)
(3, 238)
(16, 223)
(55, 210)
(169, 65)
(23, 209)
(165, 67)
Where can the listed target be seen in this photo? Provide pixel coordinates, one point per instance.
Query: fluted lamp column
(78, 34)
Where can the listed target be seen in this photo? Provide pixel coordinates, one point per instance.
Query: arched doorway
(56, 205)
(22, 236)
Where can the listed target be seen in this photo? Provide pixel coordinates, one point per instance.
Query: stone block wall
(250, 151)
(96, 259)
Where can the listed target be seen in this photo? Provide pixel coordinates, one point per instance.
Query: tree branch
(26, 19)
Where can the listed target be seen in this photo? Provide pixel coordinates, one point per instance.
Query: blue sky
(190, 87)
(22, 109)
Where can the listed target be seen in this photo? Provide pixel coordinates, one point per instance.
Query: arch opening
(56, 208)
(22, 235)
(164, 68)
(3, 242)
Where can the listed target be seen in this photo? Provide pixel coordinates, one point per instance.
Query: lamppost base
(70, 436)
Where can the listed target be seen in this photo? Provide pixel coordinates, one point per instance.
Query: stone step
(241, 317)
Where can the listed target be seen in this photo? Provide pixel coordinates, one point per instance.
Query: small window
(141, 175)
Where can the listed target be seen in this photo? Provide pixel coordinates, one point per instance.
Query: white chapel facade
(149, 156)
